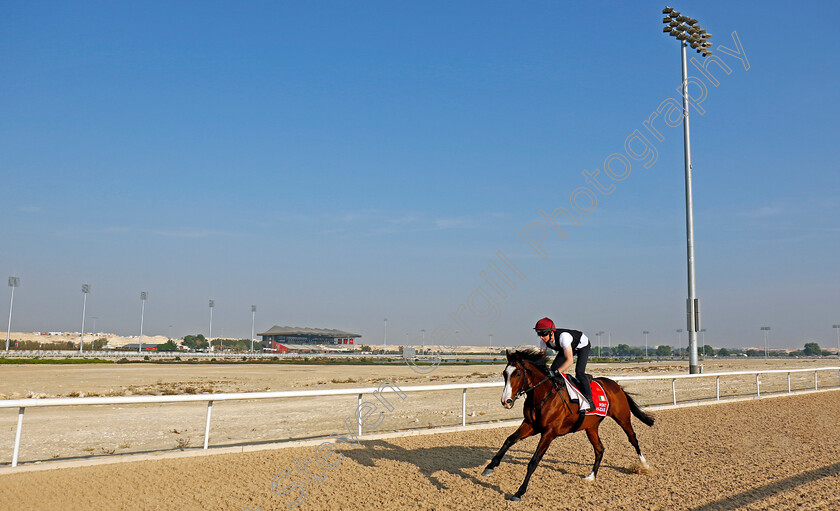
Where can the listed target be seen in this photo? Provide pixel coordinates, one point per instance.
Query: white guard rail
(22, 404)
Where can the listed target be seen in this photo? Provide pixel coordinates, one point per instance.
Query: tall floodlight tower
(85, 291)
(688, 33)
(646, 344)
(253, 318)
(385, 338)
(210, 340)
(765, 329)
(836, 328)
(13, 283)
(143, 296)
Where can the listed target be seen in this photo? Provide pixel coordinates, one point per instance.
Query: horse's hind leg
(595, 440)
(627, 426)
(524, 431)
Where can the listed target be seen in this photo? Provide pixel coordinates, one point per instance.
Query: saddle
(559, 383)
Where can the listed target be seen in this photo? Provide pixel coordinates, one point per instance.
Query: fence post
(17, 437)
(207, 423)
(717, 387)
(815, 380)
(757, 385)
(788, 383)
(674, 389)
(359, 415)
(464, 408)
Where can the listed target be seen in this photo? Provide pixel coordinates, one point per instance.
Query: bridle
(532, 387)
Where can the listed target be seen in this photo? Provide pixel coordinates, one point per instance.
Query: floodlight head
(695, 45)
(674, 14)
(666, 10)
(691, 21)
(85, 288)
(682, 18)
(253, 308)
(666, 29)
(674, 23)
(675, 32)
(707, 35)
(14, 281)
(682, 37)
(212, 303)
(143, 295)
(682, 27)
(667, 20)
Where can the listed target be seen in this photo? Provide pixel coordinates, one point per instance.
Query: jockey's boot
(586, 390)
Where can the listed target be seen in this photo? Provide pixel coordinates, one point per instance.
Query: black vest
(576, 335)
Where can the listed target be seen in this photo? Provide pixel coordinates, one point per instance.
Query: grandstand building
(293, 336)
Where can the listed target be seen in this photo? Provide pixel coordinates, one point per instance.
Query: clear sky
(337, 163)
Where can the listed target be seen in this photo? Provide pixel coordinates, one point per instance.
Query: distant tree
(812, 349)
(167, 346)
(755, 353)
(723, 352)
(195, 341)
(708, 351)
(663, 350)
(98, 343)
(623, 350)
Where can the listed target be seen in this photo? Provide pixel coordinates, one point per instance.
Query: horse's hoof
(487, 472)
(514, 498)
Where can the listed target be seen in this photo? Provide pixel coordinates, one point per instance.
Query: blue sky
(337, 163)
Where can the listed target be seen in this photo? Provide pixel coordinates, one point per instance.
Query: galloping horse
(551, 413)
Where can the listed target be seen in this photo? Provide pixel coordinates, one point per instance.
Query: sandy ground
(83, 432)
(778, 453)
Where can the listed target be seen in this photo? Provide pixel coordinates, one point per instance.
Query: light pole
(94, 318)
(253, 318)
(385, 338)
(491, 343)
(85, 291)
(646, 334)
(703, 350)
(836, 328)
(423, 331)
(679, 340)
(599, 334)
(143, 296)
(13, 283)
(689, 33)
(210, 340)
(765, 329)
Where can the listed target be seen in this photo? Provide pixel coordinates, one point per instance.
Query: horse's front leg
(542, 447)
(523, 431)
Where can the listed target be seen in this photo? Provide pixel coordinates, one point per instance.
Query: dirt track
(777, 453)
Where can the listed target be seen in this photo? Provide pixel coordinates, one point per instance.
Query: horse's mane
(532, 355)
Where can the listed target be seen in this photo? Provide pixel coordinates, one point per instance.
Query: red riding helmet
(544, 324)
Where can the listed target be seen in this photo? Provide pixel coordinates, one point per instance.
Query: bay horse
(551, 413)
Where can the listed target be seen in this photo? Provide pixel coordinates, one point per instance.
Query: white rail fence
(22, 404)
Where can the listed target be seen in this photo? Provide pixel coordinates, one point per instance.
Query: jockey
(567, 343)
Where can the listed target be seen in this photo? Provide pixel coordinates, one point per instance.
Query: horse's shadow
(458, 460)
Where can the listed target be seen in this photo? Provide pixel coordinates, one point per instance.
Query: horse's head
(522, 370)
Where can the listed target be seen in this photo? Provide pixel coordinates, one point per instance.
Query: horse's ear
(507, 354)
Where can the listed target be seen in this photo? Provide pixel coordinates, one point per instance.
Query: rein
(529, 389)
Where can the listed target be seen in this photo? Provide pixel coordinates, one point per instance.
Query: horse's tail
(638, 412)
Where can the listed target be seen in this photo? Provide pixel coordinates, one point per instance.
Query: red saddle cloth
(601, 404)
